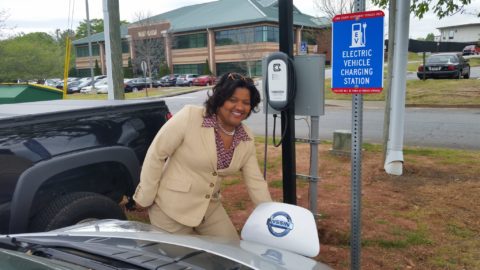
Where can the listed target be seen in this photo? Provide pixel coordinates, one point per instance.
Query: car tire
(74, 208)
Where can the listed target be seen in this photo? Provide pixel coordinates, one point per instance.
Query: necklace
(229, 133)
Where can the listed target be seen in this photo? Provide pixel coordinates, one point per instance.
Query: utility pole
(90, 62)
(113, 47)
(394, 158)
(392, 11)
(285, 21)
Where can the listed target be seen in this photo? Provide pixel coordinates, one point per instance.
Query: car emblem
(280, 224)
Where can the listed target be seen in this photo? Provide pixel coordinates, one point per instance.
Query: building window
(82, 51)
(247, 35)
(125, 47)
(189, 68)
(83, 72)
(450, 34)
(190, 41)
(240, 67)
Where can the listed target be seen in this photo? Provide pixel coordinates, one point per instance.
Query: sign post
(357, 68)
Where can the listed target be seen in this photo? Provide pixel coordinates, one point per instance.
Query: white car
(276, 236)
(101, 86)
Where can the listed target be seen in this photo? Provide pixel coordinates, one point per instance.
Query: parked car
(117, 244)
(444, 65)
(204, 80)
(471, 50)
(186, 79)
(134, 85)
(101, 86)
(169, 80)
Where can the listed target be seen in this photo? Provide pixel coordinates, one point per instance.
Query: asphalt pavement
(433, 127)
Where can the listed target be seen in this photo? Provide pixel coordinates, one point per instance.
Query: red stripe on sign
(358, 15)
(374, 90)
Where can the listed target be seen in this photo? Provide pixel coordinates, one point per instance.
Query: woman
(182, 172)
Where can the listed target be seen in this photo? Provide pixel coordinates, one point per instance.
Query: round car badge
(279, 224)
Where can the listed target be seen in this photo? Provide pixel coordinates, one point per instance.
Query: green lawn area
(433, 92)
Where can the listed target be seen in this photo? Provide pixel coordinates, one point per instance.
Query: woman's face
(235, 109)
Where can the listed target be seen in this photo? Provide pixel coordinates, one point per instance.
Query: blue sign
(357, 53)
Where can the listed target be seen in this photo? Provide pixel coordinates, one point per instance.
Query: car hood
(254, 255)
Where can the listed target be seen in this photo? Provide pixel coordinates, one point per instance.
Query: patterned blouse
(224, 156)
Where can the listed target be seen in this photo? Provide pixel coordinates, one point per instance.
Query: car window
(442, 59)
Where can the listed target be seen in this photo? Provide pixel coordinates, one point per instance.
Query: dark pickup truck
(67, 161)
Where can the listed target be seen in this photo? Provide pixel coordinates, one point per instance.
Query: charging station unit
(309, 100)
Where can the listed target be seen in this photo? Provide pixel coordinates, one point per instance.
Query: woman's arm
(167, 140)
(256, 185)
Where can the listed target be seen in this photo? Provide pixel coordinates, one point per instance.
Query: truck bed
(42, 110)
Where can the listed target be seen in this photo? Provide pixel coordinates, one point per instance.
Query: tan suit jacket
(183, 184)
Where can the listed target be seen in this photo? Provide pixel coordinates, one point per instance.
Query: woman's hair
(225, 88)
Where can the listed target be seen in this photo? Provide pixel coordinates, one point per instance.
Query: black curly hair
(225, 88)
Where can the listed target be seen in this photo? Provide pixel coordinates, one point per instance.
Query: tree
(164, 69)
(334, 7)
(441, 8)
(206, 69)
(128, 71)
(96, 26)
(3, 18)
(97, 70)
(430, 37)
(246, 48)
(148, 44)
(31, 56)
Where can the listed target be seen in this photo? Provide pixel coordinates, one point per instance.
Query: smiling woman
(188, 159)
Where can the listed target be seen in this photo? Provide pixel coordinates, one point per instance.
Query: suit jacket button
(212, 184)
(214, 173)
(207, 196)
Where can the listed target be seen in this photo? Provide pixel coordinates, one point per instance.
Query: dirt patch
(428, 218)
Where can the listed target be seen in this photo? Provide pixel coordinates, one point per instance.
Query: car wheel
(467, 76)
(75, 208)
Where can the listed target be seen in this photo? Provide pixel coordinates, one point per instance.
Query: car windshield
(442, 59)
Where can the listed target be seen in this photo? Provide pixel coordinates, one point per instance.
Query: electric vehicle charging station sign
(357, 52)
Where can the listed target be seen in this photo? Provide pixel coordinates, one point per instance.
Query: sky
(46, 16)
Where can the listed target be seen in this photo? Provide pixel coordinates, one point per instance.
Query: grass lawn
(425, 219)
(433, 92)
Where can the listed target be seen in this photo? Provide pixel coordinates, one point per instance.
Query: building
(220, 36)
(460, 33)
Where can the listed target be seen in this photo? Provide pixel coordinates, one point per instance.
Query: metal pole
(285, 21)
(90, 60)
(394, 161)
(391, 42)
(111, 20)
(356, 177)
(314, 127)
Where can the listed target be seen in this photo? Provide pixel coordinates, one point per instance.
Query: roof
(223, 13)
(459, 25)
(100, 36)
